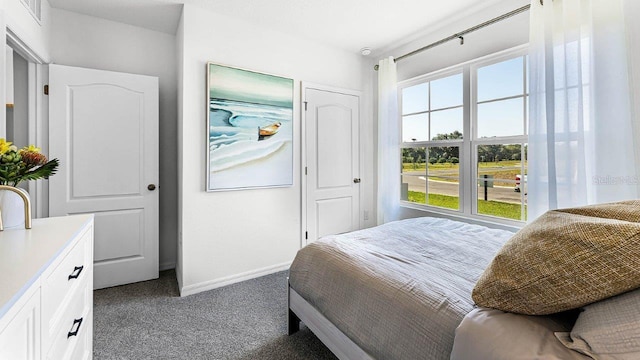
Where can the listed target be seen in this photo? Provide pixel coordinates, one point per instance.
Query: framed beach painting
(250, 129)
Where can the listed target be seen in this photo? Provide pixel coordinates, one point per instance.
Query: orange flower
(32, 158)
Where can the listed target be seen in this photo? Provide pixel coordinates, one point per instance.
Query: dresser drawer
(38, 301)
(63, 283)
(75, 326)
(20, 339)
(84, 347)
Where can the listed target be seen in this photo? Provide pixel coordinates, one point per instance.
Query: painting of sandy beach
(250, 129)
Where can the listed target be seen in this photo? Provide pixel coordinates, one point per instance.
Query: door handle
(356, 180)
(72, 332)
(76, 272)
(151, 187)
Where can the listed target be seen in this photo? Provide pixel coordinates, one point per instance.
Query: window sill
(487, 221)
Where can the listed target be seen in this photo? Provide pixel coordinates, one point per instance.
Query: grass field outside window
(490, 207)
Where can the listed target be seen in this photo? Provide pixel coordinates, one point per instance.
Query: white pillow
(489, 334)
(608, 329)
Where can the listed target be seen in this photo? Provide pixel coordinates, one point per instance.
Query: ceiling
(346, 24)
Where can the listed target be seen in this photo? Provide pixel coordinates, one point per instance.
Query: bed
(566, 286)
(396, 291)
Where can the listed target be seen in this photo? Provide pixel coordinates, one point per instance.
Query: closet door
(332, 162)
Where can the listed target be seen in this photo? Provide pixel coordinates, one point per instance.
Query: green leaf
(42, 172)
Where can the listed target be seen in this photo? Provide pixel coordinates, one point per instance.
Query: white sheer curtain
(389, 166)
(581, 144)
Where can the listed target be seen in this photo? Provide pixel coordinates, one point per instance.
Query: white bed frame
(339, 344)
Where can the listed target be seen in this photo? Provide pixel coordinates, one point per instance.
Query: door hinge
(46, 89)
(305, 170)
(305, 106)
(306, 235)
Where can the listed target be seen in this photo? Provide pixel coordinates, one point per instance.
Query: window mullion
(523, 158)
(426, 175)
(466, 191)
(473, 148)
(427, 154)
(519, 96)
(523, 182)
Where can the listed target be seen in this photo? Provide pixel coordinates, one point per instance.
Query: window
(432, 133)
(500, 142)
(467, 124)
(34, 7)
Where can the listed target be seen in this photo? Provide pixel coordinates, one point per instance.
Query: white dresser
(46, 290)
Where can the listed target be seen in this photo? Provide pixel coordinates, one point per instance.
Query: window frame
(468, 146)
(34, 7)
(440, 74)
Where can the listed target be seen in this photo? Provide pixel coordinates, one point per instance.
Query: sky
(499, 118)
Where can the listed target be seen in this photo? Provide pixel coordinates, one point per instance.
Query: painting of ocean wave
(250, 125)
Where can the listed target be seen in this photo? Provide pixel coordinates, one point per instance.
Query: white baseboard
(214, 284)
(167, 266)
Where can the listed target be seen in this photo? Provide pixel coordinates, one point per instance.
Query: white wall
(86, 41)
(503, 35)
(27, 35)
(493, 38)
(20, 21)
(230, 236)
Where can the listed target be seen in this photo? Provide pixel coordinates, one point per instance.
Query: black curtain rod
(460, 35)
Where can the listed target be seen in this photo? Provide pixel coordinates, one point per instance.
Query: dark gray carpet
(248, 320)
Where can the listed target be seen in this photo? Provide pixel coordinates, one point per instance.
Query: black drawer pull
(76, 272)
(75, 333)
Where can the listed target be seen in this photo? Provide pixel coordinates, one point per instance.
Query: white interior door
(332, 161)
(103, 126)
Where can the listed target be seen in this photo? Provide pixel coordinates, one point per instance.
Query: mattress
(398, 290)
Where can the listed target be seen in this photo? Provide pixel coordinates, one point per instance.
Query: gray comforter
(398, 290)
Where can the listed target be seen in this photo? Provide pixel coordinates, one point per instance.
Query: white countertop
(25, 254)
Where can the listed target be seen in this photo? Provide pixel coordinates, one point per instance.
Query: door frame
(303, 150)
(38, 115)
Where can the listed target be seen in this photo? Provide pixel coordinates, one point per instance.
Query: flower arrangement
(25, 164)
